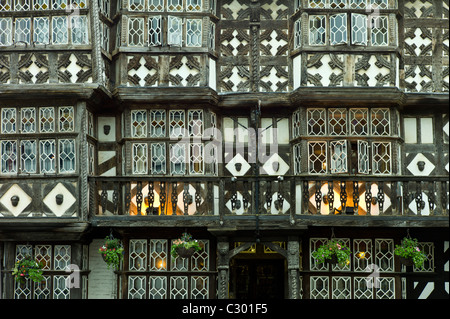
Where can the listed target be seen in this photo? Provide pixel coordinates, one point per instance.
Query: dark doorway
(257, 279)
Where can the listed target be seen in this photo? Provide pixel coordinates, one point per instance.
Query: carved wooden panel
(74, 68)
(4, 68)
(142, 70)
(33, 68)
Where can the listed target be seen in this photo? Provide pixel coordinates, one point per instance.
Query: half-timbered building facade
(263, 128)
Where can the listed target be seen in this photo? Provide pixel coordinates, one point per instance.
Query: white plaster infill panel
(24, 200)
(68, 200)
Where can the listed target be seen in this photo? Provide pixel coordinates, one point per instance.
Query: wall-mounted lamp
(325, 199)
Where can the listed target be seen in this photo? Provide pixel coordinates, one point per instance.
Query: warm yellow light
(362, 255)
(161, 264)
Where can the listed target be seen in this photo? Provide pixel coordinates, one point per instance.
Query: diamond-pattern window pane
(47, 156)
(357, 4)
(196, 163)
(199, 287)
(154, 30)
(28, 120)
(341, 287)
(22, 30)
(22, 291)
(338, 163)
(358, 119)
(386, 287)
(136, 5)
(317, 157)
(176, 123)
(359, 29)
(22, 5)
(317, 4)
(80, 28)
(157, 123)
(297, 124)
(137, 254)
(363, 287)
(62, 257)
(174, 31)
(5, 5)
(381, 158)
(59, 30)
(200, 260)
(297, 34)
(363, 157)
(175, 5)
(319, 287)
(380, 121)
(59, 4)
(317, 29)
(66, 119)
(158, 158)
(158, 287)
(136, 31)
(28, 156)
(41, 4)
(5, 31)
(42, 290)
(158, 254)
(195, 124)
(41, 27)
(194, 32)
(23, 251)
(362, 254)
(9, 156)
(315, 243)
(428, 249)
(194, 5)
(379, 30)
(177, 158)
(139, 123)
(47, 119)
(379, 4)
(79, 4)
(338, 4)
(338, 28)
(136, 287)
(67, 154)
(156, 5)
(316, 121)
(384, 254)
(178, 263)
(8, 120)
(140, 158)
(337, 121)
(297, 158)
(178, 287)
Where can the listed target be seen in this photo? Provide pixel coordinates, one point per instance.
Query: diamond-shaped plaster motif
(68, 200)
(275, 165)
(231, 167)
(414, 169)
(24, 200)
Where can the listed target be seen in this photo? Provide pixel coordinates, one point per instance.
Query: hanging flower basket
(334, 252)
(28, 268)
(112, 252)
(410, 253)
(185, 246)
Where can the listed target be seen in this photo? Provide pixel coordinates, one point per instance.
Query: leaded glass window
(9, 156)
(41, 4)
(174, 31)
(47, 119)
(177, 158)
(363, 157)
(154, 30)
(195, 122)
(157, 123)
(357, 4)
(194, 32)
(8, 120)
(297, 34)
(158, 158)
(5, 31)
(140, 158)
(379, 30)
(59, 4)
(175, 5)
(156, 5)
(359, 123)
(196, 164)
(338, 4)
(194, 5)
(5, 5)
(22, 31)
(136, 31)
(66, 119)
(28, 156)
(59, 30)
(136, 5)
(338, 162)
(359, 29)
(67, 156)
(22, 5)
(41, 31)
(176, 123)
(338, 29)
(137, 287)
(316, 121)
(317, 155)
(47, 156)
(139, 123)
(28, 123)
(79, 30)
(380, 4)
(317, 4)
(381, 158)
(297, 158)
(317, 29)
(337, 121)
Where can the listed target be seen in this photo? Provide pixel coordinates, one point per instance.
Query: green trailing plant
(28, 268)
(333, 248)
(185, 241)
(112, 252)
(409, 249)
